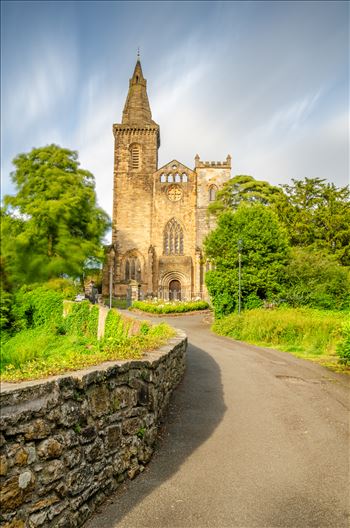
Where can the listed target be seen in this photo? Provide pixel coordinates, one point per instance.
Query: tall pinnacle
(137, 110)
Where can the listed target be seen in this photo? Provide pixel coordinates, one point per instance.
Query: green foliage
(166, 307)
(265, 252)
(315, 279)
(37, 307)
(303, 331)
(343, 348)
(76, 321)
(38, 352)
(317, 214)
(244, 189)
(6, 301)
(115, 330)
(53, 224)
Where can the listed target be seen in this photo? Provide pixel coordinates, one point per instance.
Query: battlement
(199, 164)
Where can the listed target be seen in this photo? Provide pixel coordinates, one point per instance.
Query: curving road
(254, 438)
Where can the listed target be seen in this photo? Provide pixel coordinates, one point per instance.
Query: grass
(38, 353)
(308, 333)
(167, 307)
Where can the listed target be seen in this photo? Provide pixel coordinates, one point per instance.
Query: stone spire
(137, 111)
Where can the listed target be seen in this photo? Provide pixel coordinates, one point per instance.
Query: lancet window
(212, 193)
(132, 269)
(173, 238)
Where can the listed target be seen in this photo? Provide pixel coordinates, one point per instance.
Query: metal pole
(239, 274)
(239, 282)
(110, 285)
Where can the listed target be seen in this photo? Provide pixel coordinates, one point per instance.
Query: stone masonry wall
(70, 441)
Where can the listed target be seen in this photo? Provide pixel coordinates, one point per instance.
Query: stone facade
(159, 214)
(69, 442)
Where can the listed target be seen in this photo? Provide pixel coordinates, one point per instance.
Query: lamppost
(239, 245)
(112, 255)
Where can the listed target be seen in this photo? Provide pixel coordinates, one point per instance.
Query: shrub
(343, 348)
(166, 307)
(304, 330)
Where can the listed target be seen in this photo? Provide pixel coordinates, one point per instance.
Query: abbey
(159, 214)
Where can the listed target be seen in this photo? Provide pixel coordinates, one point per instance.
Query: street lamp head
(240, 244)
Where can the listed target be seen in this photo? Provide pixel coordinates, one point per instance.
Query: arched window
(173, 238)
(170, 178)
(135, 154)
(184, 177)
(163, 178)
(177, 177)
(132, 269)
(212, 193)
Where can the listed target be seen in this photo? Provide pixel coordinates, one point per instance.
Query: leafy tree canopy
(265, 253)
(317, 214)
(53, 223)
(242, 188)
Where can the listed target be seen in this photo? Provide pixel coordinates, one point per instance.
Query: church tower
(136, 143)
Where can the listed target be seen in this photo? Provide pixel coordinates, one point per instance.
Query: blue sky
(267, 82)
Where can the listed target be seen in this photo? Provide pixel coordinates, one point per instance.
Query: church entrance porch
(175, 290)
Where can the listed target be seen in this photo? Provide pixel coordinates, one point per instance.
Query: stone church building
(159, 214)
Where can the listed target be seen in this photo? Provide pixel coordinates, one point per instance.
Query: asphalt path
(253, 438)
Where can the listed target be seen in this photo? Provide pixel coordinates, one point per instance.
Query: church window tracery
(170, 178)
(163, 178)
(184, 178)
(132, 269)
(173, 238)
(212, 193)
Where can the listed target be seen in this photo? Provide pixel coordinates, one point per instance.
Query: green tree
(53, 224)
(242, 188)
(317, 214)
(265, 252)
(314, 278)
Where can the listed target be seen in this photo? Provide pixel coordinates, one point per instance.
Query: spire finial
(138, 52)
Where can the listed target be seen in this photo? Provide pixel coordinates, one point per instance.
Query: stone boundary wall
(69, 441)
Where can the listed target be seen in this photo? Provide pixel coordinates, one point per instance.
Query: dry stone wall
(69, 442)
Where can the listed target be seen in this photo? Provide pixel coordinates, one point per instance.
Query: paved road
(254, 438)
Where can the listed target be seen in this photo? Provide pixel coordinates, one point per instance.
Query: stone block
(3, 466)
(113, 438)
(79, 479)
(131, 426)
(99, 400)
(11, 495)
(122, 397)
(52, 471)
(50, 448)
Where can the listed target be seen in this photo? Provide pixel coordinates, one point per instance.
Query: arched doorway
(174, 290)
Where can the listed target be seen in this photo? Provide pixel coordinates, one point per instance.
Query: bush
(164, 307)
(304, 330)
(343, 348)
(313, 278)
(253, 230)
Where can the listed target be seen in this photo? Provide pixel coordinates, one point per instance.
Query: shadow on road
(196, 409)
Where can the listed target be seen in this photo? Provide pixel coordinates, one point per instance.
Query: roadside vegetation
(293, 242)
(305, 332)
(52, 240)
(169, 307)
(50, 336)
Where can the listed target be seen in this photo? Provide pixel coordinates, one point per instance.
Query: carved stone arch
(173, 238)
